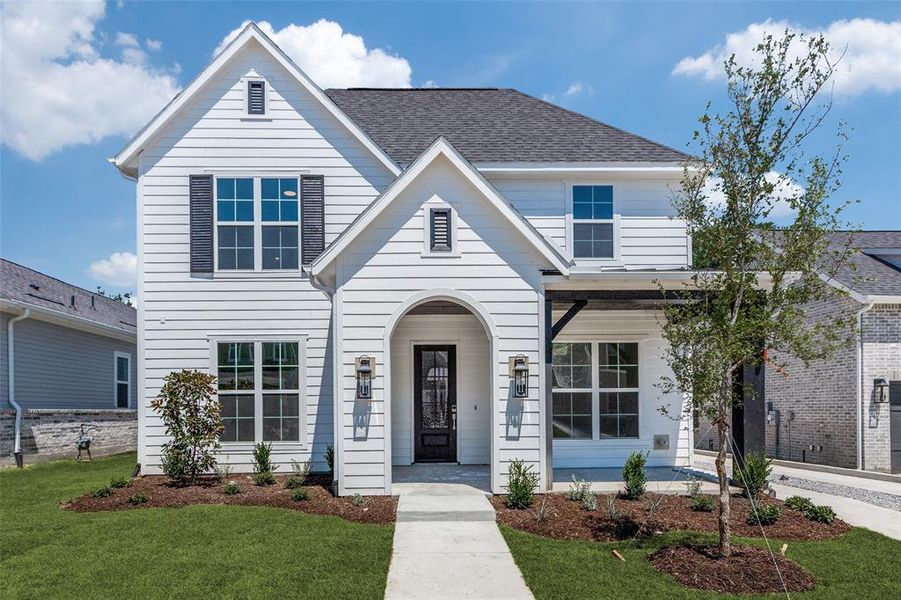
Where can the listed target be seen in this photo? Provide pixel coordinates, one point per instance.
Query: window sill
(455, 254)
(275, 274)
(247, 117)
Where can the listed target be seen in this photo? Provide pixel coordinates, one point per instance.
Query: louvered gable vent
(441, 229)
(256, 97)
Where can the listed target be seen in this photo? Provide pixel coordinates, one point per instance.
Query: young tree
(192, 418)
(758, 278)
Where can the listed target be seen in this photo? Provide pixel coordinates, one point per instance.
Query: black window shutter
(256, 97)
(312, 217)
(441, 229)
(201, 211)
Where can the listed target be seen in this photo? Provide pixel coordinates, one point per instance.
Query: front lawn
(210, 551)
(859, 564)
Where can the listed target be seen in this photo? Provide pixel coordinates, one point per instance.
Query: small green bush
(753, 476)
(766, 514)
(104, 492)
(821, 514)
(231, 488)
(520, 485)
(544, 511)
(262, 458)
(299, 495)
(613, 513)
(634, 476)
(701, 503)
(330, 458)
(358, 500)
(299, 473)
(577, 489)
(799, 503)
(589, 501)
(138, 498)
(120, 482)
(264, 478)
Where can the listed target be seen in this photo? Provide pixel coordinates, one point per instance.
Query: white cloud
(785, 189)
(430, 83)
(126, 39)
(574, 89)
(872, 48)
(120, 269)
(332, 57)
(153, 45)
(66, 93)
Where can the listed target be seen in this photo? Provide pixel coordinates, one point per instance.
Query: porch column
(749, 417)
(548, 394)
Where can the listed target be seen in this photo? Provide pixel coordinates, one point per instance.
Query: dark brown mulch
(568, 520)
(749, 570)
(162, 493)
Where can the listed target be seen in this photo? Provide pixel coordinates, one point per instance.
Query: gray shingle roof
(871, 275)
(490, 125)
(27, 286)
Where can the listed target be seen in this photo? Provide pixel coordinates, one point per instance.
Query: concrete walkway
(447, 545)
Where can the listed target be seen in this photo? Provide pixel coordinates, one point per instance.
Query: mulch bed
(749, 570)
(568, 520)
(162, 493)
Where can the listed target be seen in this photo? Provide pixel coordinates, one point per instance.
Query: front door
(435, 403)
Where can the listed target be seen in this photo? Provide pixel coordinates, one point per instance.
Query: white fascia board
(125, 156)
(647, 279)
(41, 313)
(882, 299)
(438, 148)
(672, 168)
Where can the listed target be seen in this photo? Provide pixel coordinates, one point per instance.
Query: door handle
(454, 417)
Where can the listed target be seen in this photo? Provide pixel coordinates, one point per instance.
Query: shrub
(613, 513)
(299, 495)
(138, 498)
(299, 473)
(701, 503)
(589, 501)
(577, 489)
(766, 514)
(752, 476)
(520, 485)
(231, 488)
(330, 458)
(821, 514)
(120, 482)
(104, 492)
(543, 512)
(190, 413)
(634, 476)
(222, 472)
(262, 458)
(264, 478)
(358, 500)
(799, 503)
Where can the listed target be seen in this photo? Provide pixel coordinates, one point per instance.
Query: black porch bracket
(577, 306)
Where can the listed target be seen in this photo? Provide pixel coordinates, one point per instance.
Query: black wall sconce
(880, 386)
(365, 373)
(519, 371)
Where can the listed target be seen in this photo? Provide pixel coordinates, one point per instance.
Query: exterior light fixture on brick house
(880, 389)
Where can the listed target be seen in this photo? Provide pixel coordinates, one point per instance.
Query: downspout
(11, 381)
(860, 384)
(330, 294)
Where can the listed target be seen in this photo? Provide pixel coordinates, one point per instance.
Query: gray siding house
(72, 364)
(845, 411)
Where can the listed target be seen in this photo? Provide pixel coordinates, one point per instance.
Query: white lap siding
(641, 327)
(384, 268)
(473, 383)
(179, 313)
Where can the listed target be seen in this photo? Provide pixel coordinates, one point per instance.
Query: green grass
(859, 564)
(210, 551)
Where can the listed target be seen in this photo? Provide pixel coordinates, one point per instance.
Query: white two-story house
(467, 276)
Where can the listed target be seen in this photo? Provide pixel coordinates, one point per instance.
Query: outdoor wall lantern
(365, 372)
(519, 371)
(880, 386)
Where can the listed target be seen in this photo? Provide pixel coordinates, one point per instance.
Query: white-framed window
(595, 390)
(257, 223)
(593, 223)
(121, 379)
(260, 384)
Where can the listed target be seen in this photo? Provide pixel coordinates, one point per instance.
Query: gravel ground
(883, 499)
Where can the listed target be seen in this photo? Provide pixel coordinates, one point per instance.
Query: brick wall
(881, 358)
(51, 434)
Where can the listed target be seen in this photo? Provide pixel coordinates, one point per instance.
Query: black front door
(435, 403)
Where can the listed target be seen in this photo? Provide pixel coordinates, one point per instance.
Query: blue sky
(64, 209)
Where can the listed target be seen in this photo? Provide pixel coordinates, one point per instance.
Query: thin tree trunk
(724, 507)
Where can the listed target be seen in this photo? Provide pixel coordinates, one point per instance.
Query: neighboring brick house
(72, 364)
(832, 412)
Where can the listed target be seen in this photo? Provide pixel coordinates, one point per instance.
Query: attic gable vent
(256, 97)
(440, 230)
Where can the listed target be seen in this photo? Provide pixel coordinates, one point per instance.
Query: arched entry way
(439, 370)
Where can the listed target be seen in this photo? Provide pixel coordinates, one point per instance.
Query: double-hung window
(595, 390)
(259, 390)
(122, 379)
(592, 232)
(257, 223)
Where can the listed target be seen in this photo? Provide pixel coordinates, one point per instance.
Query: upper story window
(257, 223)
(593, 221)
(256, 97)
